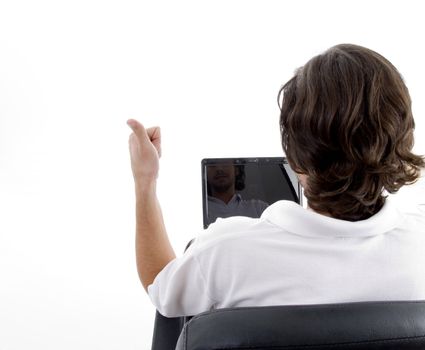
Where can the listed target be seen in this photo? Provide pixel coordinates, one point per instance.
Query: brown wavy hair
(346, 122)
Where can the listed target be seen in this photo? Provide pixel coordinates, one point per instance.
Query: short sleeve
(180, 288)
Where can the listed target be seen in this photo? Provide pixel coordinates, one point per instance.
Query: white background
(207, 72)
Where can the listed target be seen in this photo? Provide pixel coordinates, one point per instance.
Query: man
(347, 130)
(224, 179)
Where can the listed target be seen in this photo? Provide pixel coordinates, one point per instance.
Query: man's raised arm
(153, 248)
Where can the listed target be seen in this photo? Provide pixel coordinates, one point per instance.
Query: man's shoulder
(223, 230)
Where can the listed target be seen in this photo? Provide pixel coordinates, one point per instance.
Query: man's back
(295, 256)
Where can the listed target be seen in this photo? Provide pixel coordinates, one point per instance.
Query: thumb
(139, 130)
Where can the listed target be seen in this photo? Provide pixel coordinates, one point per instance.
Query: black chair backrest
(364, 325)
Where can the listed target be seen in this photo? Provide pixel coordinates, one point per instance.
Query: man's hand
(145, 151)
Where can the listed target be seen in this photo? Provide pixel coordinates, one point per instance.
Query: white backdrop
(207, 72)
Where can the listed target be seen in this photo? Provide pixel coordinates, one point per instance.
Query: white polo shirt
(292, 255)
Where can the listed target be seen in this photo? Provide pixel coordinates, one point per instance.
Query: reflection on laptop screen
(245, 186)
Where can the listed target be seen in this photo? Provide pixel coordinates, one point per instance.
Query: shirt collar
(293, 218)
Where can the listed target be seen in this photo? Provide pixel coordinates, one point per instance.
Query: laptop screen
(245, 186)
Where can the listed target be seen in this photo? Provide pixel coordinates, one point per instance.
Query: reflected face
(221, 177)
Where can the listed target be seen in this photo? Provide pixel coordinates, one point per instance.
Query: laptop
(245, 186)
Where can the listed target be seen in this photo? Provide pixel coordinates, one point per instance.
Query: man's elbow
(147, 277)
